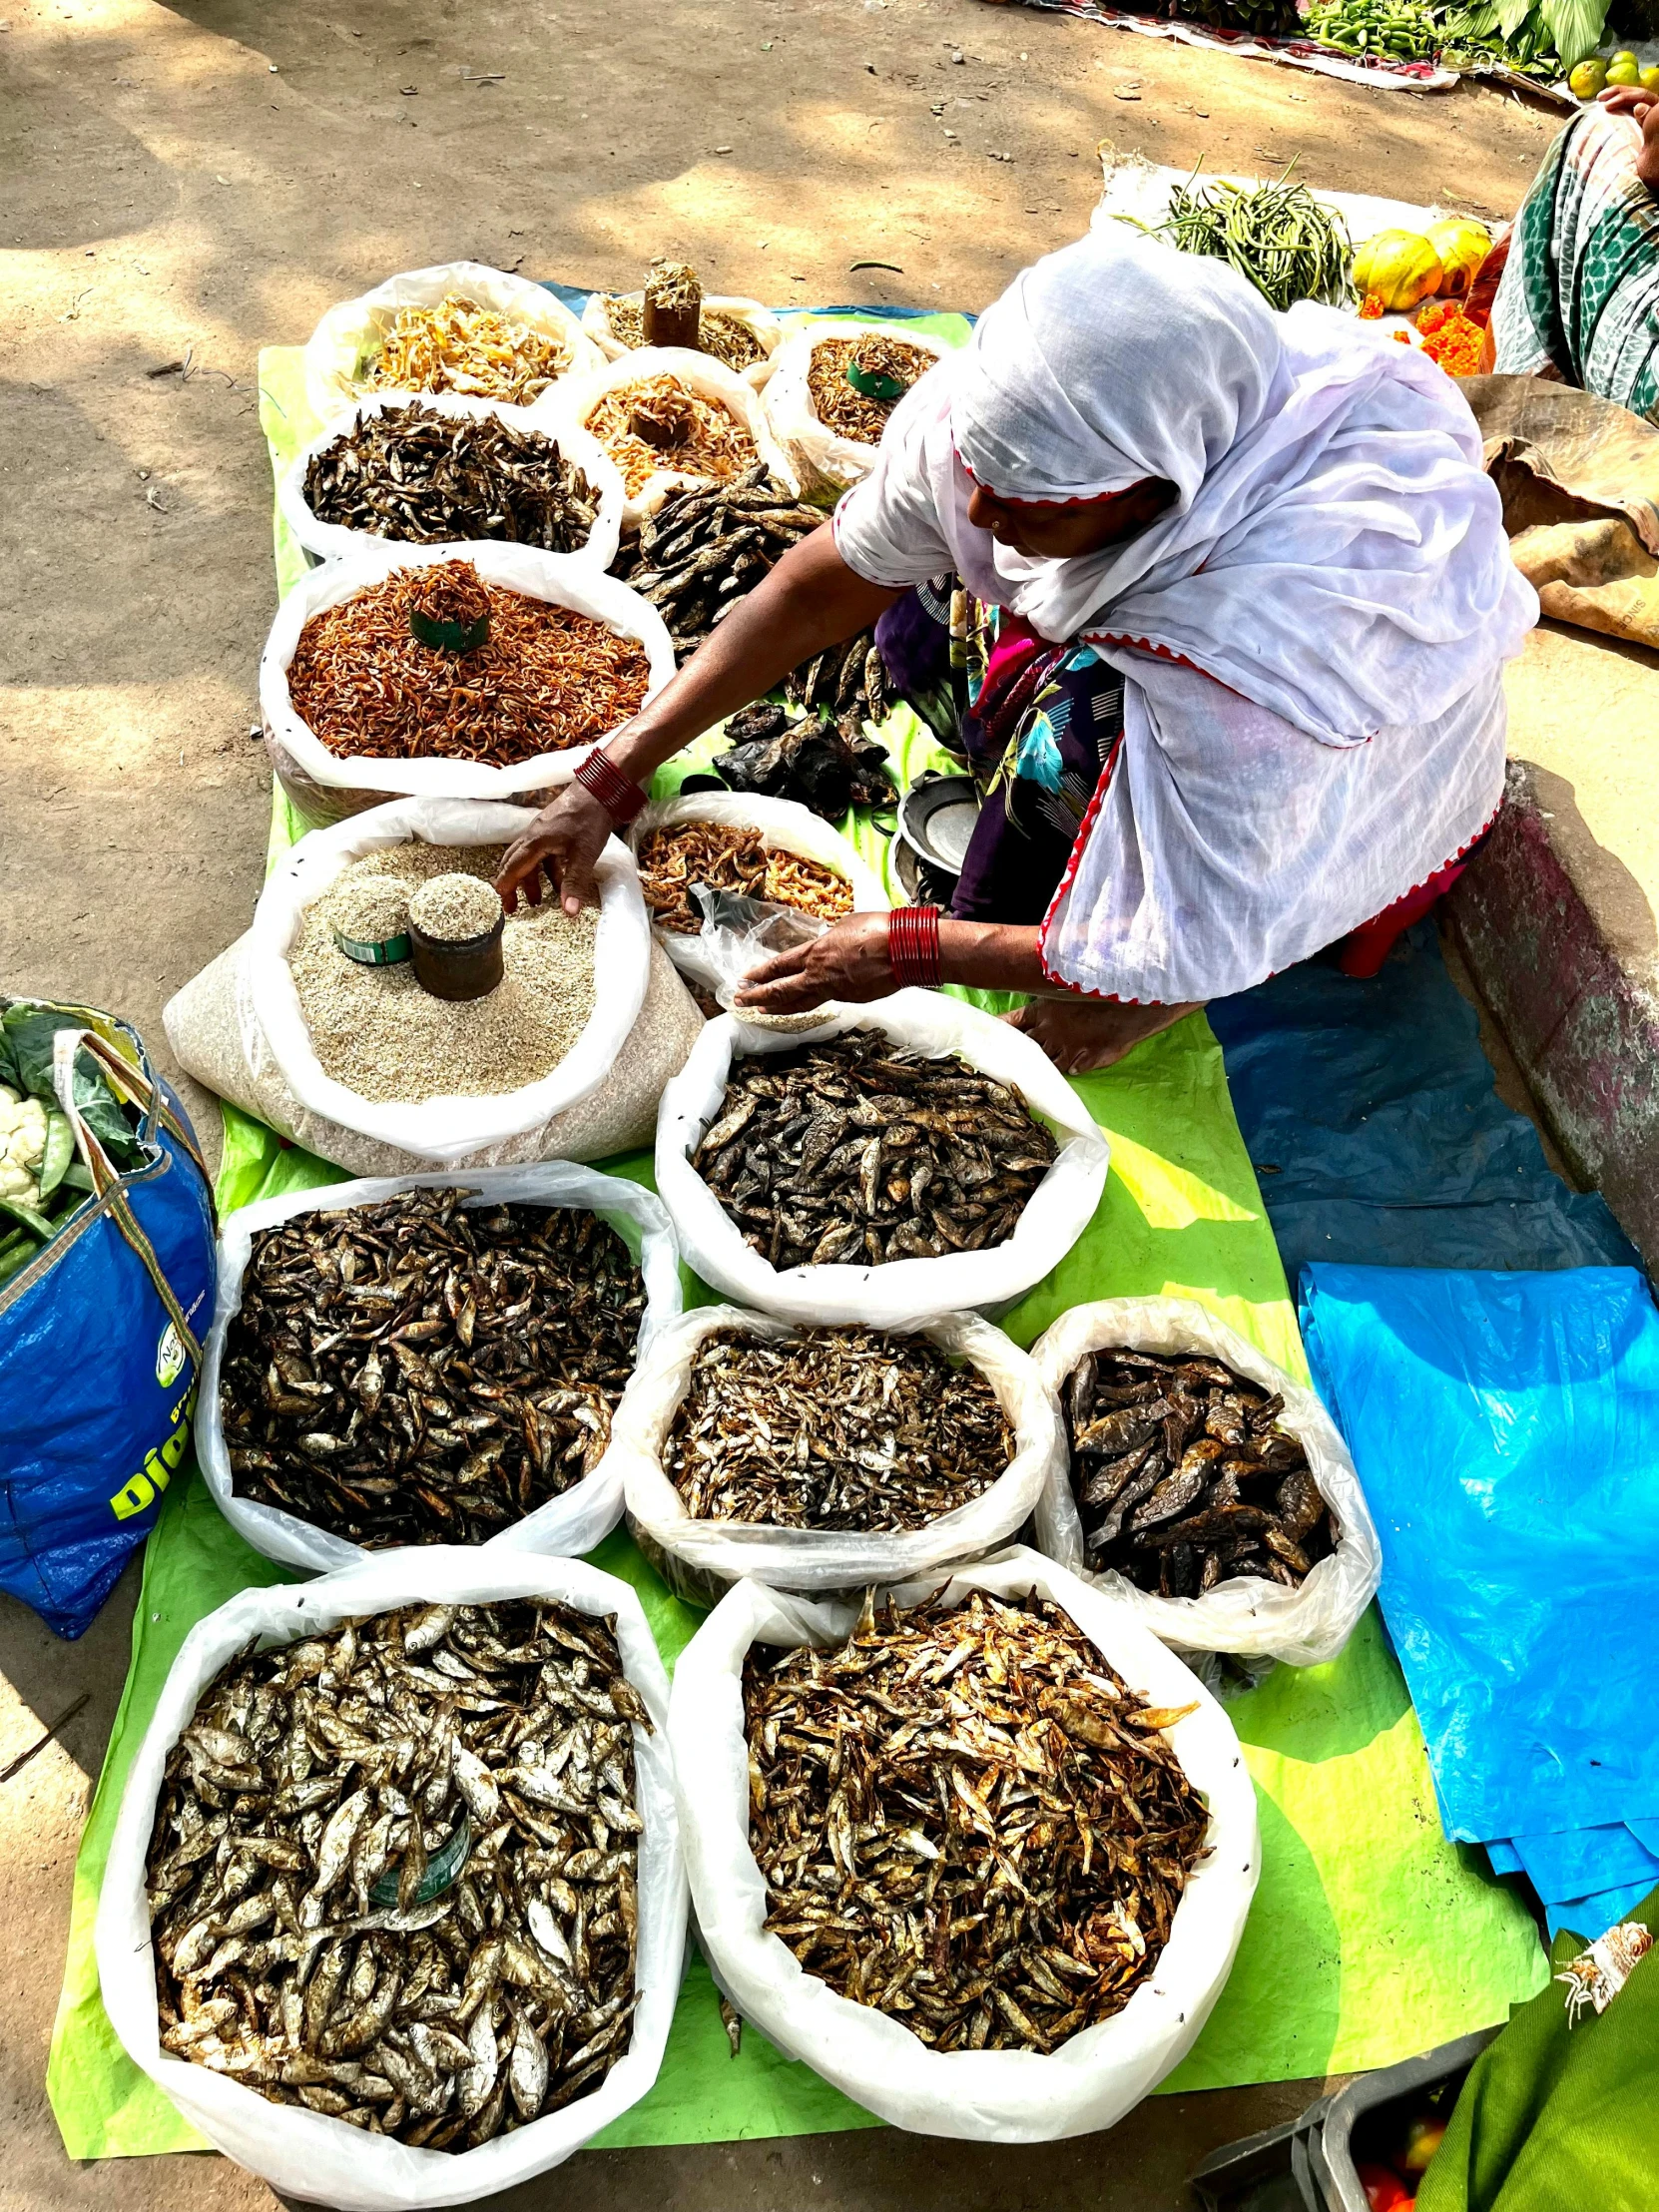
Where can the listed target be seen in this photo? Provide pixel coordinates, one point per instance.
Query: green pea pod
(59, 1151)
(36, 1223)
(12, 1261)
(77, 1176)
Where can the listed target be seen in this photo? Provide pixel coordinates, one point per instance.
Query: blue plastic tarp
(1506, 1429)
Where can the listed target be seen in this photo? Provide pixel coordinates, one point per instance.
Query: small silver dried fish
(850, 1428)
(392, 1875)
(967, 1820)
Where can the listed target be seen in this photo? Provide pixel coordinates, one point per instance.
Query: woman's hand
(848, 961)
(566, 838)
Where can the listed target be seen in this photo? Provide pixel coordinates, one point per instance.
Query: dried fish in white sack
(703, 423)
(889, 1453)
(832, 456)
(1008, 1213)
(434, 1392)
(395, 1910)
(1249, 1486)
(915, 1856)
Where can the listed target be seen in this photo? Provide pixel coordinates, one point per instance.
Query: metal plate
(937, 818)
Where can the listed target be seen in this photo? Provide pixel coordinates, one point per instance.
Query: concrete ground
(191, 182)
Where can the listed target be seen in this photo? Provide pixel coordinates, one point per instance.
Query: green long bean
(1277, 234)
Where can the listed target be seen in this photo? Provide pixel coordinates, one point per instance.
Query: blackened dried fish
(967, 1820)
(392, 1875)
(425, 477)
(862, 1150)
(1183, 1477)
(423, 1372)
(849, 1429)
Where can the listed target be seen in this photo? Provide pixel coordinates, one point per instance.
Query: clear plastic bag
(569, 1524)
(988, 2096)
(818, 1559)
(308, 2154)
(1243, 1615)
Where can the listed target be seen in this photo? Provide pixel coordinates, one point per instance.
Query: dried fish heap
(730, 338)
(1183, 1477)
(876, 359)
(427, 477)
(393, 1870)
(460, 347)
(425, 1371)
(966, 1819)
(833, 1429)
(861, 1150)
(660, 422)
(705, 549)
(677, 856)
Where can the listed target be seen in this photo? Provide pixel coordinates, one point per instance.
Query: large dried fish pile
(418, 1372)
(966, 1819)
(827, 766)
(417, 474)
(679, 855)
(862, 1150)
(392, 1875)
(703, 551)
(850, 1428)
(1183, 1475)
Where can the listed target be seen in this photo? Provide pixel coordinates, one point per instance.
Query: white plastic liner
(760, 320)
(324, 786)
(453, 1127)
(569, 1524)
(575, 398)
(816, 1559)
(343, 345)
(335, 540)
(306, 2154)
(823, 460)
(785, 826)
(988, 2096)
(903, 1292)
(1242, 1615)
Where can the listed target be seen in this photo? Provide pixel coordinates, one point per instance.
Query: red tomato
(1385, 2191)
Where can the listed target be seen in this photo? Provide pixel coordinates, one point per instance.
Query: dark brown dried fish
(421, 1372)
(863, 1151)
(853, 1429)
(1183, 1477)
(967, 1820)
(416, 474)
(392, 1875)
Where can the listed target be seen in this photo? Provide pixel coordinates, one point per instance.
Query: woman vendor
(1248, 599)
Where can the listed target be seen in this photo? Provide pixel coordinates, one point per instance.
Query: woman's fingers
(566, 838)
(769, 971)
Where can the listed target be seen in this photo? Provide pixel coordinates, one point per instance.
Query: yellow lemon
(1588, 78)
(1623, 72)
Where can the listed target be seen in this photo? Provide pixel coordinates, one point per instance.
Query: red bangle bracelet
(913, 945)
(620, 798)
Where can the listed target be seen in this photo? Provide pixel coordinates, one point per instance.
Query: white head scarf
(1335, 553)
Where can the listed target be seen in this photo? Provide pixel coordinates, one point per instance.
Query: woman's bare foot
(1079, 1035)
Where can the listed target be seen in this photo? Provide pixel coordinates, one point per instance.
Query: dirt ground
(196, 181)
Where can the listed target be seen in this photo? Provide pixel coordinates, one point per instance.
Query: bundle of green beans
(1397, 30)
(1275, 234)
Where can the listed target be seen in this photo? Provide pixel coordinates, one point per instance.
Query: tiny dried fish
(423, 1372)
(416, 474)
(863, 1151)
(839, 405)
(851, 1429)
(720, 333)
(659, 423)
(1184, 1477)
(965, 1819)
(393, 1870)
(459, 347)
(673, 859)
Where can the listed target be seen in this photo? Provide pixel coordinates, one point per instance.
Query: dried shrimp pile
(849, 1429)
(423, 1372)
(851, 414)
(965, 1819)
(859, 1150)
(459, 347)
(393, 1875)
(673, 859)
(725, 335)
(545, 679)
(660, 424)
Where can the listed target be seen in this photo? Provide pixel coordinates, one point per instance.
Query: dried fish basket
(569, 1524)
(760, 321)
(997, 2096)
(308, 2154)
(784, 827)
(325, 785)
(904, 1292)
(349, 335)
(1243, 1615)
(815, 1561)
(334, 540)
(826, 462)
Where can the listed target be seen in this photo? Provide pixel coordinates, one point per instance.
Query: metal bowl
(936, 820)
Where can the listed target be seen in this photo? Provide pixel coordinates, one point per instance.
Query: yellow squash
(1462, 247)
(1400, 267)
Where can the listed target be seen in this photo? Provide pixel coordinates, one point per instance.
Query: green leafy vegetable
(28, 1032)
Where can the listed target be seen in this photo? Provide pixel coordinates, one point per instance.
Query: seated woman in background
(1579, 295)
